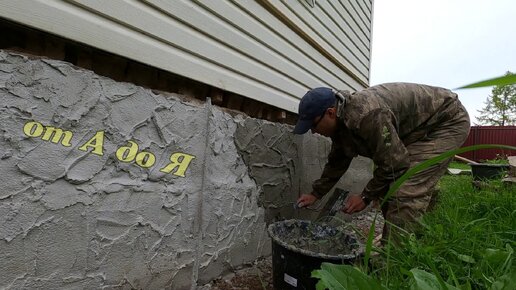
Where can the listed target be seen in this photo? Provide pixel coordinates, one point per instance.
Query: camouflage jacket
(378, 123)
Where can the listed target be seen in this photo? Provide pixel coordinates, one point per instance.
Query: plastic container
(296, 251)
(482, 171)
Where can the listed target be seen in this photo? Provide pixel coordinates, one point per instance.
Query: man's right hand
(354, 204)
(306, 200)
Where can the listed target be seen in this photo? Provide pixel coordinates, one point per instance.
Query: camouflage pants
(419, 193)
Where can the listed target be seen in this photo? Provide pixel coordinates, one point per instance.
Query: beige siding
(271, 51)
(331, 35)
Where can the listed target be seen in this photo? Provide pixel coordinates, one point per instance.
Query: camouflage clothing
(397, 125)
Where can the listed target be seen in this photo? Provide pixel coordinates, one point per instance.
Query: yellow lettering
(33, 129)
(179, 160)
(127, 154)
(145, 159)
(96, 142)
(57, 134)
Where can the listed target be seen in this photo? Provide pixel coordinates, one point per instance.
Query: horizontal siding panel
(340, 18)
(238, 47)
(232, 27)
(282, 40)
(368, 4)
(85, 27)
(323, 17)
(366, 10)
(139, 17)
(297, 13)
(352, 17)
(364, 17)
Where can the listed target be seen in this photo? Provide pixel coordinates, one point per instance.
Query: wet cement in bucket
(316, 239)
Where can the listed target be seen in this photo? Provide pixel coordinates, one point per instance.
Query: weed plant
(467, 241)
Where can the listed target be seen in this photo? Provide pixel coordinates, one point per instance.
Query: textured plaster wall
(85, 214)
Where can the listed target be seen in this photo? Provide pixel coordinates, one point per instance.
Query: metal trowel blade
(337, 205)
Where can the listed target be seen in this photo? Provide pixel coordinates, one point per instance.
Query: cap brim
(302, 126)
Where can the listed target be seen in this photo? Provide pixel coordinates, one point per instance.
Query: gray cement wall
(106, 184)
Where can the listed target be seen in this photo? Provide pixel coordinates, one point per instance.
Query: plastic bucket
(300, 246)
(488, 171)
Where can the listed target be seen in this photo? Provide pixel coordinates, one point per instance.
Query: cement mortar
(317, 240)
(73, 218)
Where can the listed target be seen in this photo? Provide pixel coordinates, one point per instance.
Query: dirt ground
(258, 275)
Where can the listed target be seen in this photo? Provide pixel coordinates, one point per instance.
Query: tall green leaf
(499, 81)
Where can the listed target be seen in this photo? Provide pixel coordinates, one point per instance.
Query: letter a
(96, 142)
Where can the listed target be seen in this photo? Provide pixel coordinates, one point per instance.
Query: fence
(490, 135)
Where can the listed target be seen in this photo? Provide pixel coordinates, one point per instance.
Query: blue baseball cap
(313, 104)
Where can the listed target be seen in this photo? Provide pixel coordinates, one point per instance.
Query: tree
(500, 106)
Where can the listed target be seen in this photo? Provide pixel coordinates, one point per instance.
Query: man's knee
(402, 216)
(434, 199)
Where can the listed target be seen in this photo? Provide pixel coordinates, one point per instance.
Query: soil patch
(256, 276)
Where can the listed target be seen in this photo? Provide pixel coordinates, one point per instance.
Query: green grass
(459, 165)
(467, 241)
(500, 160)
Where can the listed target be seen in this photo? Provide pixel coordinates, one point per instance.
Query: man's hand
(306, 200)
(354, 204)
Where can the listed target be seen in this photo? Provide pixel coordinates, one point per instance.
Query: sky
(446, 43)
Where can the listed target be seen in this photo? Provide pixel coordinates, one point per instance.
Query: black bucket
(299, 247)
(481, 171)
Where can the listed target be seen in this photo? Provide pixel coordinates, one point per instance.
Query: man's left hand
(354, 204)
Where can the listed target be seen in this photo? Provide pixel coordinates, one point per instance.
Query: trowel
(334, 203)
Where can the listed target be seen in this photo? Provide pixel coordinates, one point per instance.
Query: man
(397, 125)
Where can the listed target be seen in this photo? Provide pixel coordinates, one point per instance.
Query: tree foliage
(500, 106)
